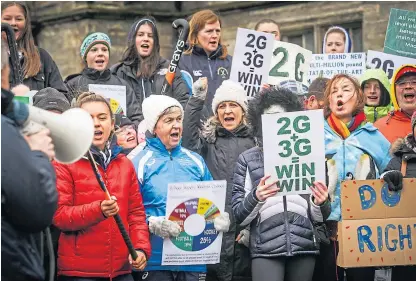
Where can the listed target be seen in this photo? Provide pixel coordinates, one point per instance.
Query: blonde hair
(197, 23)
(359, 106)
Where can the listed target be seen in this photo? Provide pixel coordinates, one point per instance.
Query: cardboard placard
(251, 60)
(328, 65)
(290, 63)
(379, 226)
(388, 63)
(294, 150)
(401, 33)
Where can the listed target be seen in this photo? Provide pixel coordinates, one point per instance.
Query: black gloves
(394, 179)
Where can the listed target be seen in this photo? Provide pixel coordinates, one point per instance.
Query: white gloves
(244, 237)
(222, 222)
(200, 88)
(163, 227)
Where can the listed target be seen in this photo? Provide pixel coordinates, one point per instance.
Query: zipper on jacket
(289, 250)
(170, 155)
(144, 91)
(210, 70)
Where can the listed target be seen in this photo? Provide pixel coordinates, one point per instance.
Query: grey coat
(220, 149)
(279, 226)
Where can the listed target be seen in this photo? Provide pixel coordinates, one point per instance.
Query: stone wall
(61, 26)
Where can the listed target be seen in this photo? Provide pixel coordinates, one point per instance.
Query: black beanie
(51, 99)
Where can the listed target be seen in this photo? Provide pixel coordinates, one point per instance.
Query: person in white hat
(222, 139)
(163, 161)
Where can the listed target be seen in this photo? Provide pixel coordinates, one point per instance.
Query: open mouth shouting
(98, 134)
(340, 104)
(145, 48)
(174, 136)
(409, 98)
(229, 120)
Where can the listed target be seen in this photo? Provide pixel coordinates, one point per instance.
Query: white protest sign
(115, 94)
(27, 98)
(194, 206)
(294, 150)
(388, 63)
(290, 62)
(328, 65)
(251, 59)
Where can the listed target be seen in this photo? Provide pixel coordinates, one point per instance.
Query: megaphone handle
(117, 217)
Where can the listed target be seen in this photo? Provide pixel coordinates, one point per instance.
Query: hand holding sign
(264, 190)
(319, 192)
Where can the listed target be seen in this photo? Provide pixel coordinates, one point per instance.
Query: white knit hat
(230, 91)
(154, 106)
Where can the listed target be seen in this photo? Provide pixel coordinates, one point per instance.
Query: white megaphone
(72, 132)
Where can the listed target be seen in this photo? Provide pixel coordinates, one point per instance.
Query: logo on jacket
(223, 72)
(151, 162)
(163, 71)
(145, 274)
(197, 72)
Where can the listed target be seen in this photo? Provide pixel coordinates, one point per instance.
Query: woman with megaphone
(90, 245)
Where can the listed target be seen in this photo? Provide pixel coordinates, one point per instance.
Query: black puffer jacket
(199, 64)
(78, 83)
(279, 226)
(48, 76)
(403, 149)
(220, 149)
(144, 87)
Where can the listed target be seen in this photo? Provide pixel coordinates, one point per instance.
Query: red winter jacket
(91, 245)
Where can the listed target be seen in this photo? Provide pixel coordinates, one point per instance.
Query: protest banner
(328, 65)
(289, 62)
(378, 227)
(388, 63)
(251, 60)
(194, 206)
(116, 96)
(294, 150)
(401, 34)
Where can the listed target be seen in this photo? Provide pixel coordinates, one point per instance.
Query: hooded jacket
(220, 148)
(348, 43)
(90, 245)
(157, 167)
(403, 149)
(78, 83)
(373, 113)
(364, 155)
(48, 76)
(199, 64)
(396, 124)
(144, 87)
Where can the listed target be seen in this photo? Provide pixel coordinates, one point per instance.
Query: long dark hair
(26, 43)
(148, 65)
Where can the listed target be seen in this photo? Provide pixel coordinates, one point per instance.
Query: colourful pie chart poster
(194, 206)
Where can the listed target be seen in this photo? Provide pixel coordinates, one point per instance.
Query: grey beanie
(51, 99)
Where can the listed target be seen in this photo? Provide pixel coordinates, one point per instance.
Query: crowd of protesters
(205, 128)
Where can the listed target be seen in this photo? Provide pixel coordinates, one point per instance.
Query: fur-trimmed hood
(212, 129)
(403, 145)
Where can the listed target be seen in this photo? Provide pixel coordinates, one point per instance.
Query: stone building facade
(60, 27)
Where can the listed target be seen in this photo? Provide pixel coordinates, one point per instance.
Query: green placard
(401, 34)
(25, 100)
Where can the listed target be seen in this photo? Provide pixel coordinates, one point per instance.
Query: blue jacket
(363, 155)
(156, 167)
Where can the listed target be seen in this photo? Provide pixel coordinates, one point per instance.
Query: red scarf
(341, 128)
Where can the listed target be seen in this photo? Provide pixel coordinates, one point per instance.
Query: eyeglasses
(123, 130)
(403, 84)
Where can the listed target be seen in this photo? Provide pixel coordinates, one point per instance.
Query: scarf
(103, 157)
(344, 130)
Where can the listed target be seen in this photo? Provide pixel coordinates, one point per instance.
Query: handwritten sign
(289, 62)
(401, 34)
(379, 226)
(328, 65)
(294, 150)
(115, 94)
(194, 206)
(388, 63)
(251, 59)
